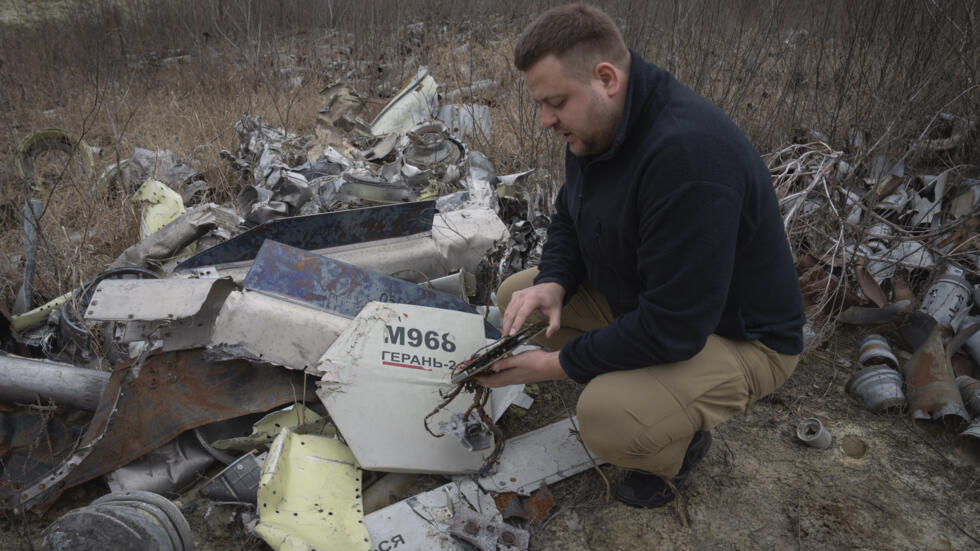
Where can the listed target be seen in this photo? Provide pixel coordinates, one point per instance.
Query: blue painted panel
(336, 286)
(319, 231)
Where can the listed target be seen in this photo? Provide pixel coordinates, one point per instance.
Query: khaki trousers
(645, 418)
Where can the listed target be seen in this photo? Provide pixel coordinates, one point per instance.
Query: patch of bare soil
(886, 482)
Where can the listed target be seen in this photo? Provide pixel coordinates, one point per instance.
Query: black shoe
(640, 489)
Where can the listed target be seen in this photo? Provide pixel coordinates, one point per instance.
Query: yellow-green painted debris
(297, 417)
(163, 206)
(310, 496)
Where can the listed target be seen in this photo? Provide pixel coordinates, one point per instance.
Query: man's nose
(548, 117)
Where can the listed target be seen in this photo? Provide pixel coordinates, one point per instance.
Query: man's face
(580, 111)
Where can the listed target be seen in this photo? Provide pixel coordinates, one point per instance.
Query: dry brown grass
(176, 75)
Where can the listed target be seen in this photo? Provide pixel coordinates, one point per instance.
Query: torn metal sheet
(162, 165)
(35, 381)
(39, 314)
(266, 329)
(171, 393)
(503, 397)
(172, 240)
(295, 416)
(534, 508)
(545, 455)
(153, 299)
(362, 184)
(930, 384)
(310, 496)
(384, 374)
(167, 470)
(320, 231)
(173, 314)
(412, 105)
(423, 522)
(486, 534)
(461, 284)
(924, 208)
(32, 220)
(334, 286)
(465, 236)
(470, 119)
(238, 482)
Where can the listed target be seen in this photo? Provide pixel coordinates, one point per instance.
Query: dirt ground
(885, 483)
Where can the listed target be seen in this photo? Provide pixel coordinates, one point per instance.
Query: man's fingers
(554, 322)
(526, 310)
(511, 312)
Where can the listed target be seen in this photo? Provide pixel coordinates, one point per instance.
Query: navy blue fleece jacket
(677, 224)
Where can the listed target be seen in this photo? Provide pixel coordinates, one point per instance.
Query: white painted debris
(470, 119)
(424, 522)
(547, 455)
(151, 299)
(383, 375)
(411, 106)
(178, 314)
(261, 328)
(464, 236)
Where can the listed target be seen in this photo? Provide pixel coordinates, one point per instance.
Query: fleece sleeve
(561, 258)
(686, 258)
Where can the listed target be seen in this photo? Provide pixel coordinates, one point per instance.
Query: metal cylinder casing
(972, 345)
(949, 295)
(812, 433)
(970, 390)
(879, 387)
(875, 350)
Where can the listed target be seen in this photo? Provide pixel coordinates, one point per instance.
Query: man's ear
(608, 76)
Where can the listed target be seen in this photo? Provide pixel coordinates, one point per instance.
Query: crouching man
(666, 279)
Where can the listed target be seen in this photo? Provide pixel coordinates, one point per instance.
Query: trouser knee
(514, 283)
(615, 429)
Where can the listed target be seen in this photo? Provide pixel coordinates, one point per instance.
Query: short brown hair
(575, 28)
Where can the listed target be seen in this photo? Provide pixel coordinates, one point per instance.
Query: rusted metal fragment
(533, 508)
(33, 443)
(172, 392)
(870, 287)
(931, 387)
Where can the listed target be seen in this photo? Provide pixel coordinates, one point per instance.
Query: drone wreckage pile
(353, 259)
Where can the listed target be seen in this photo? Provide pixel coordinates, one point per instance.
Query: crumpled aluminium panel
(266, 329)
(142, 409)
(545, 455)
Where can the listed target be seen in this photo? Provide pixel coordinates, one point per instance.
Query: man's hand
(545, 297)
(530, 367)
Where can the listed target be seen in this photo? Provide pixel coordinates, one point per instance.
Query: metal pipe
(29, 380)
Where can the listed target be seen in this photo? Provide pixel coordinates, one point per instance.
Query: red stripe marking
(410, 366)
